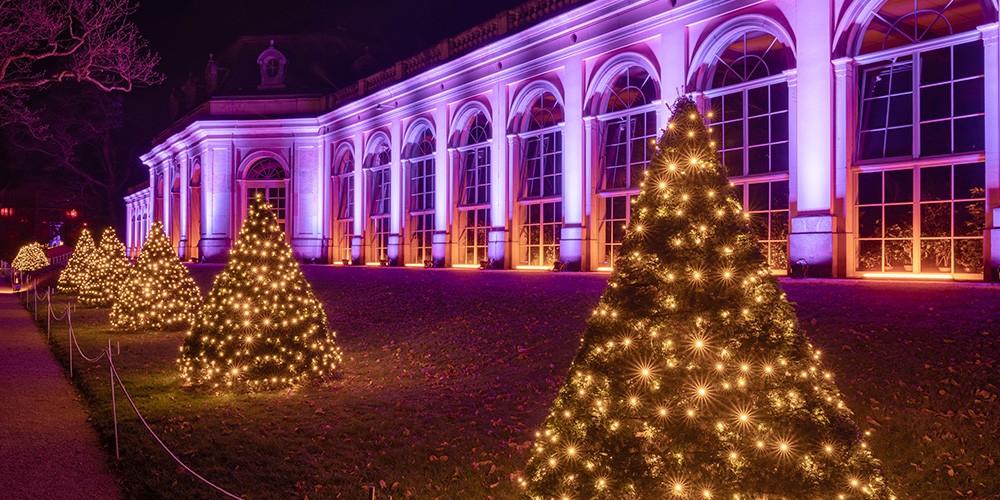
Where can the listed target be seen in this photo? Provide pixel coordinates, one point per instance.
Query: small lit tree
(692, 379)
(107, 268)
(30, 257)
(71, 277)
(160, 292)
(261, 326)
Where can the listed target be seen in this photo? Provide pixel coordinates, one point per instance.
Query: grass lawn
(448, 373)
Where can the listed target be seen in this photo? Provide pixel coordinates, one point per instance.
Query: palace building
(863, 136)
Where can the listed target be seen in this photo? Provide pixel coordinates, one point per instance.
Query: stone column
(217, 172)
(991, 240)
(305, 200)
(573, 168)
(813, 222)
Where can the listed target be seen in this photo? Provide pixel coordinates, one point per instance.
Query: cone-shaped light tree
(71, 277)
(107, 269)
(30, 257)
(261, 326)
(160, 292)
(692, 379)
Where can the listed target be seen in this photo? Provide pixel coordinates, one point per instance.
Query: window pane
(757, 129)
(779, 127)
(970, 181)
(870, 222)
(759, 197)
(757, 161)
(899, 142)
(870, 188)
(969, 97)
(872, 144)
(970, 218)
(870, 255)
(935, 183)
(935, 256)
(734, 162)
(898, 186)
(779, 195)
(968, 59)
(935, 138)
(969, 255)
(757, 101)
(779, 157)
(935, 66)
(970, 134)
(899, 221)
(900, 110)
(732, 106)
(935, 102)
(874, 113)
(779, 97)
(935, 219)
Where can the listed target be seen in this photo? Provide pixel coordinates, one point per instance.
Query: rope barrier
(113, 375)
(155, 436)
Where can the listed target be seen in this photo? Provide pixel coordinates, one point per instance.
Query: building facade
(863, 136)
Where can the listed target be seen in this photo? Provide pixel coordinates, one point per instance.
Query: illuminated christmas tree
(692, 379)
(107, 269)
(261, 326)
(160, 292)
(30, 257)
(71, 277)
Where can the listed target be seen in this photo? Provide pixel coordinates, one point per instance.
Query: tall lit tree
(71, 277)
(107, 269)
(692, 379)
(160, 292)
(30, 257)
(261, 326)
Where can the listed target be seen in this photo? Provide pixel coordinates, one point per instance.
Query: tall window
(541, 181)
(381, 201)
(628, 125)
(421, 195)
(749, 101)
(474, 195)
(266, 177)
(343, 185)
(920, 197)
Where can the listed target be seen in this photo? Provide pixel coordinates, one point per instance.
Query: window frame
(914, 161)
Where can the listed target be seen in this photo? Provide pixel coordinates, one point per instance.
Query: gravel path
(47, 449)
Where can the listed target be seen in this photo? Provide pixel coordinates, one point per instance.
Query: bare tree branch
(44, 42)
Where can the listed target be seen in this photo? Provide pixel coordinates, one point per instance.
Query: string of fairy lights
(78, 265)
(691, 379)
(261, 326)
(160, 292)
(30, 257)
(107, 268)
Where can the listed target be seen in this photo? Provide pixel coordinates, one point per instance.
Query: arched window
(474, 194)
(266, 177)
(377, 163)
(420, 162)
(749, 104)
(628, 125)
(343, 185)
(540, 194)
(920, 185)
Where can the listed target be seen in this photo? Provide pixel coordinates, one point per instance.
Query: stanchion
(48, 314)
(114, 404)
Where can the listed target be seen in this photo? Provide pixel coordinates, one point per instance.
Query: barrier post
(114, 404)
(70, 346)
(48, 314)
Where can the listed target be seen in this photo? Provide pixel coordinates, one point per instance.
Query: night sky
(184, 32)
